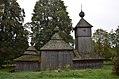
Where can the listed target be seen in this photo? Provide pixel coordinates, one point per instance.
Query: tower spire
(81, 7)
(81, 14)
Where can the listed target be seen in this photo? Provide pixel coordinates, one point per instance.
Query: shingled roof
(31, 50)
(56, 43)
(29, 55)
(28, 58)
(83, 23)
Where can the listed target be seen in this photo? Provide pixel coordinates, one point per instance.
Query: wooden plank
(56, 59)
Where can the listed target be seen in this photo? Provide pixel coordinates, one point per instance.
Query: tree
(1, 2)
(116, 47)
(117, 40)
(13, 36)
(102, 44)
(47, 15)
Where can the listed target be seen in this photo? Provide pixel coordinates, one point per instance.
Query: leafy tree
(117, 40)
(13, 36)
(102, 44)
(116, 65)
(47, 15)
(116, 47)
(112, 37)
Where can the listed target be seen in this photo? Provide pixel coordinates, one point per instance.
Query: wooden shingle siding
(83, 64)
(27, 66)
(84, 44)
(56, 59)
(82, 32)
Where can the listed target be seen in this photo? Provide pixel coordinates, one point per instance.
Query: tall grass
(104, 73)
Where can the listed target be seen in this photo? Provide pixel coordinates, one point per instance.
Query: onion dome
(81, 14)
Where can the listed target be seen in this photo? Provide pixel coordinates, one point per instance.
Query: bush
(116, 65)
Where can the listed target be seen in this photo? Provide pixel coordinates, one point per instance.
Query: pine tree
(13, 36)
(47, 15)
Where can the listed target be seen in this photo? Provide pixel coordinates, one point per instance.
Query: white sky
(99, 13)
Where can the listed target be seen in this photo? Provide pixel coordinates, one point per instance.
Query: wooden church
(57, 54)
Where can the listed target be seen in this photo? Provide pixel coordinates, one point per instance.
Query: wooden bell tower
(83, 33)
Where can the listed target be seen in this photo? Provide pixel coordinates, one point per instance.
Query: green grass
(104, 73)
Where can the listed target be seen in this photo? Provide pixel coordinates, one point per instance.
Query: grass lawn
(104, 73)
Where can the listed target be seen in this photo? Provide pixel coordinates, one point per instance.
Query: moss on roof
(31, 48)
(28, 58)
(31, 51)
(86, 56)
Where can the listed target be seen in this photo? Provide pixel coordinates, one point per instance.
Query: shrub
(116, 65)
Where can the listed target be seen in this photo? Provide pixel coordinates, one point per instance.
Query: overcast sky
(99, 13)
